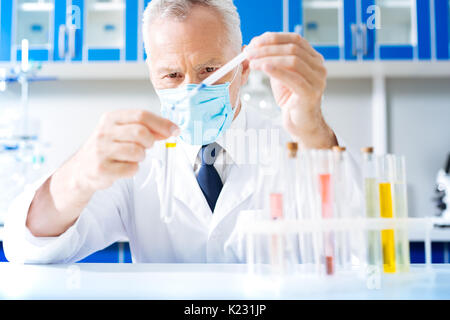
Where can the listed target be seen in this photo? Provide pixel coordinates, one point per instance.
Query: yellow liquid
(387, 236)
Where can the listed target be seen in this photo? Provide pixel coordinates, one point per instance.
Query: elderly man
(111, 188)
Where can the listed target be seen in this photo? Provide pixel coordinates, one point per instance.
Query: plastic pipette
(216, 76)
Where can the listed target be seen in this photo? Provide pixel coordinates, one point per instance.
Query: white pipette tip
(226, 68)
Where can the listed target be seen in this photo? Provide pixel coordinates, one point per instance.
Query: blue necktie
(208, 178)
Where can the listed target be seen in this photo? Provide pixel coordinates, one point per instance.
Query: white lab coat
(130, 209)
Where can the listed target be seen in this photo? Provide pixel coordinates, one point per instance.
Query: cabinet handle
(354, 29)
(62, 41)
(72, 31)
(364, 39)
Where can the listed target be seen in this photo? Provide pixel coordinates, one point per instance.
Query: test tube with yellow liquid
(400, 211)
(166, 209)
(385, 171)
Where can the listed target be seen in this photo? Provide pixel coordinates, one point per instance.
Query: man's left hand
(298, 79)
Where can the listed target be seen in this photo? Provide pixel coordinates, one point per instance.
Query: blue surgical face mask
(202, 118)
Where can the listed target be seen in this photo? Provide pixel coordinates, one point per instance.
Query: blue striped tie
(208, 178)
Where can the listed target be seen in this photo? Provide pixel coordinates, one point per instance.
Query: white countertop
(206, 281)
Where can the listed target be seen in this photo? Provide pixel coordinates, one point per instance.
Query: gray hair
(179, 9)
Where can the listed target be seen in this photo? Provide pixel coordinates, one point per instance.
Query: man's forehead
(181, 60)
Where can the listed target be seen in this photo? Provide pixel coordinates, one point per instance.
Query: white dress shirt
(224, 159)
(130, 208)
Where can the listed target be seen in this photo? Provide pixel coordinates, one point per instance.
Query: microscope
(443, 190)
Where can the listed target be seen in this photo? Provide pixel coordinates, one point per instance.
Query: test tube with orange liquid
(324, 163)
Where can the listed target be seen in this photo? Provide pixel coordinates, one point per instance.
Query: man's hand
(118, 145)
(112, 152)
(298, 79)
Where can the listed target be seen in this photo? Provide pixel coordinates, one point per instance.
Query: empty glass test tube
(371, 208)
(400, 211)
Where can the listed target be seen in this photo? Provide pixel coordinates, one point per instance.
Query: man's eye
(173, 75)
(210, 69)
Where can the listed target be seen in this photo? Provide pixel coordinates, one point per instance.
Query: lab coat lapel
(187, 190)
(239, 186)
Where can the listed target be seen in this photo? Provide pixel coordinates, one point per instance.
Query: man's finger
(271, 38)
(290, 79)
(160, 126)
(284, 50)
(126, 151)
(288, 63)
(135, 133)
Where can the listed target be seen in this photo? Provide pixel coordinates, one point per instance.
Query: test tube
(340, 200)
(324, 163)
(400, 211)
(167, 197)
(385, 170)
(308, 207)
(371, 206)
(283, 206)
(276, 244)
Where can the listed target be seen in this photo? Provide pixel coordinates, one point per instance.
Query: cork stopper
(339, 149)
(292, 148)
(367, 150)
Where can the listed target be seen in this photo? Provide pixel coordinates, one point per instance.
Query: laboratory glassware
(284, 247)
(400, 212)
(371, 208)
(166, 209)
(341, 207)
(384, 172)
(324, 168)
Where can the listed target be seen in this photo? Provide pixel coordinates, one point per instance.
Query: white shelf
(336, 70)
(395, 69)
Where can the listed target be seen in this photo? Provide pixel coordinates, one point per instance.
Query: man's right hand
(118, 145)
(112, 152)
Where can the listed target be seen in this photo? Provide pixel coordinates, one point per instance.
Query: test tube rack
(248, 227)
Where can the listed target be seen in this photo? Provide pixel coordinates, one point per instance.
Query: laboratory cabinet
(364, 29)
(442, 29)
(70, 30)
(108, 30)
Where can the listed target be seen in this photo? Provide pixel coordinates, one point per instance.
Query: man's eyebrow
(209, 63)
(167, 70)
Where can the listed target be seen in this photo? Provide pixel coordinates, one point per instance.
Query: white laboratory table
(205, 281)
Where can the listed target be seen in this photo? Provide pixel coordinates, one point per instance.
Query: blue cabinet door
(424, 29)
(402, 31)
(131, 30)
(144, 55)
(350, 30)
(111, 30)
(68, 33)
(6, 9)
(322, 25)
(33, 21)
(442, 29)
(77, 21)
(259, 16)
